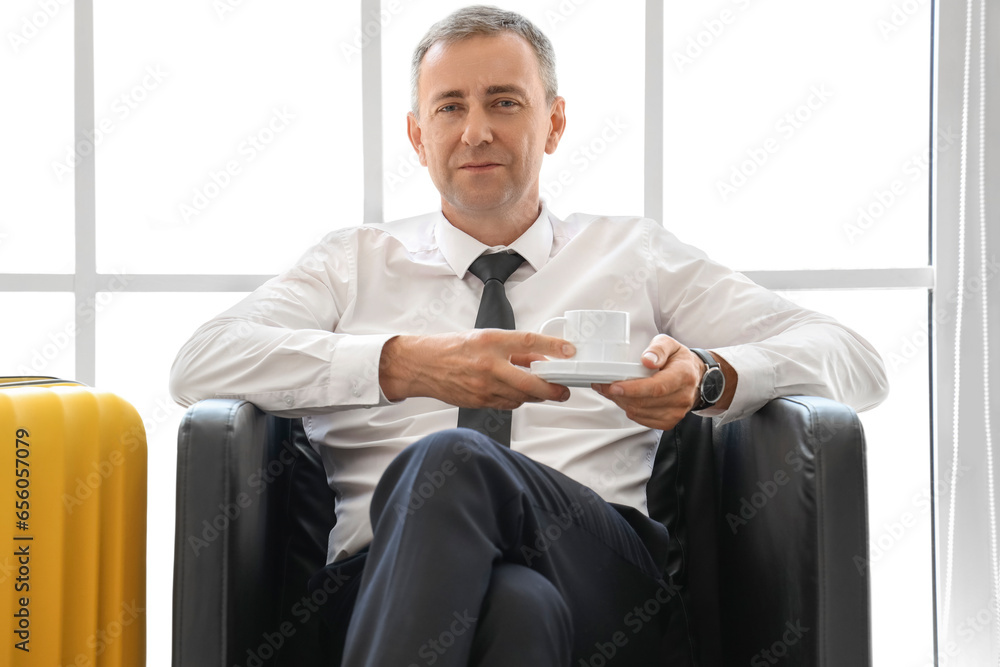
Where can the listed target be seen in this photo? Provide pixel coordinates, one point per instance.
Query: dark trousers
(482, 556)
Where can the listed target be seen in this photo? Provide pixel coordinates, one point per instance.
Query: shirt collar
(460, 249)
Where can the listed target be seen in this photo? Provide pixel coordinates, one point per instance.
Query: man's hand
(662, 400)
(480, 368)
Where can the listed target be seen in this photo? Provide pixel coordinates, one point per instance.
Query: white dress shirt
(308, 342)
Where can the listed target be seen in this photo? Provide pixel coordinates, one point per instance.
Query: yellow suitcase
(73, 515)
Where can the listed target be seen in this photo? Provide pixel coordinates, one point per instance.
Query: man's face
(484, 123)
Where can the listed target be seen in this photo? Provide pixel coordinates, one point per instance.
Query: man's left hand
(661, 400)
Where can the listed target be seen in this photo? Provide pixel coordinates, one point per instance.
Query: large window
(207, 144)
(796, 148)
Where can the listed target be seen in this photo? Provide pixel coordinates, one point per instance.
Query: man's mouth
(479, 166)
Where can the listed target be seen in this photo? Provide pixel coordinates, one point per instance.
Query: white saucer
(570, 373)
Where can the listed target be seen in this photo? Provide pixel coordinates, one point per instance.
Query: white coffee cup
(598, 335)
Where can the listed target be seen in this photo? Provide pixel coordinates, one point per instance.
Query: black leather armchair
(768, 518)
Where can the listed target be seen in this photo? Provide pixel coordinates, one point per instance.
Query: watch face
(712, 385)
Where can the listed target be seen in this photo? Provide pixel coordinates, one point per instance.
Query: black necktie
(494, 313)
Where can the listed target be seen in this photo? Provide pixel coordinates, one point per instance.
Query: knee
(521, 605)
(458, 444)
(518, 589)
(444, 451)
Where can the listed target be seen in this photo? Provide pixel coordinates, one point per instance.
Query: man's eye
(509, 104)
(448, 108)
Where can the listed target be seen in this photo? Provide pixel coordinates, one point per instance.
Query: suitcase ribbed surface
(73, 521)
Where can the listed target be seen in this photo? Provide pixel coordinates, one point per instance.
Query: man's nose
(477, 128)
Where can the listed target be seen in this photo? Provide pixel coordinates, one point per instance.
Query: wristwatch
(713, 382)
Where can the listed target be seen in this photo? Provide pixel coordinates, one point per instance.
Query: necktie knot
(496, 266)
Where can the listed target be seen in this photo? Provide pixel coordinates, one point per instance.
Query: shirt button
(289, 400)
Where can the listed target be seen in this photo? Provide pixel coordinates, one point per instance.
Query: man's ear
(413, 132)
(557, 124)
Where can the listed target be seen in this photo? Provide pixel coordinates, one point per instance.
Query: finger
(548, 346)
(530, 387)
(617, 400)
(492, 381)
(501, 396)
(660, 416)
(528, 342)
(676, 375)
(659, 350)
(660, 397)
(526, 359)
(647, 407)
(662, 419)
(660, 385)
(631, 404)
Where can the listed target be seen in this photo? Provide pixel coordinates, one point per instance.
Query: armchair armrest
(247, 539)
(767, 515)
(793, 511)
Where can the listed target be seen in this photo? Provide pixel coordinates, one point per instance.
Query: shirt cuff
(351, 381)
(354, 371)
(755, 380)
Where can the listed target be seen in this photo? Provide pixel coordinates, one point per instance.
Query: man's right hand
(481, 368)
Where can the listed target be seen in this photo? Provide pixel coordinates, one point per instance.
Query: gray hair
(486, 20)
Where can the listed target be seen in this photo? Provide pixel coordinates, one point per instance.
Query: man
(531, 546)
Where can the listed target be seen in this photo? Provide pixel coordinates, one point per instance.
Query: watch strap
(712, 365)
(705, 356)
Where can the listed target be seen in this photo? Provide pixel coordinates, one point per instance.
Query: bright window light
(39, 154)
(796, 134)
(233, 138)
